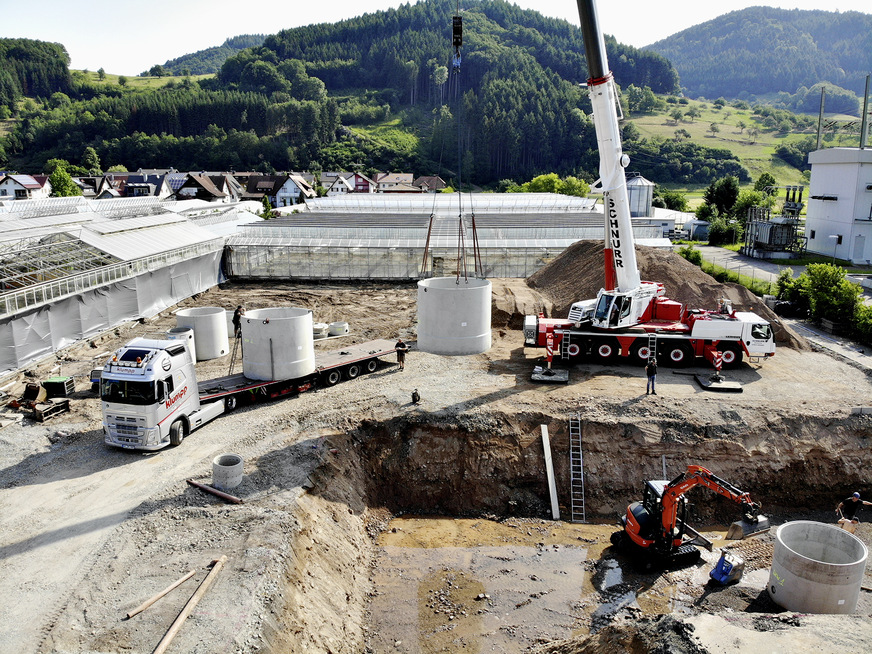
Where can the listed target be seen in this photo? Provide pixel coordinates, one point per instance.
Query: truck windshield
(603, 306)
(127, 392)
(761, 332)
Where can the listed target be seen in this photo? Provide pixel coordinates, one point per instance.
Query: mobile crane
(630, 317)
(654, 528)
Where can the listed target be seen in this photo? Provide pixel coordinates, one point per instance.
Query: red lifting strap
(599, 80)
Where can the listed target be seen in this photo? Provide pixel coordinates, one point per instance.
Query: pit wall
(495, 464)
(327, 577)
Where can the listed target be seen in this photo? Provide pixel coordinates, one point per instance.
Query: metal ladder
(564, 345)
(652, 346)
(576, 470)
(236, 342)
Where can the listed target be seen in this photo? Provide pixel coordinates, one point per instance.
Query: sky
(127, 38)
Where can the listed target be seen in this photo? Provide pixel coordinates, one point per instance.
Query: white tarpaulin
(29, 336)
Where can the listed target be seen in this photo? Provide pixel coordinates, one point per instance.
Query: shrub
(690, 253)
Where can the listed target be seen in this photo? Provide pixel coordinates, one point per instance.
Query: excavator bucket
(744, 528)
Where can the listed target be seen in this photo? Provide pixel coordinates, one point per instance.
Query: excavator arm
(699, 476)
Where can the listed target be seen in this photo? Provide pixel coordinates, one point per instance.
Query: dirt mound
(661, 635)
(579, 273)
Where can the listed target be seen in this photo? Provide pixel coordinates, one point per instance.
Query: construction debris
(154, 598)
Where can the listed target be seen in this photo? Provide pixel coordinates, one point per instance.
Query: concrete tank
(816, 568)
(277, 343)
(210, 330)
(184, 334)
(454, 317)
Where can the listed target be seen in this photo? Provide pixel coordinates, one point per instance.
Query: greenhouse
(384, 237)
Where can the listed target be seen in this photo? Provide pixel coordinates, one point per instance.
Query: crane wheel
(640, 352)
(678, 355)
(606, 350)
(731, 356)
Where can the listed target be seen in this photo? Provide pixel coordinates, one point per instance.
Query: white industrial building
(839, 215)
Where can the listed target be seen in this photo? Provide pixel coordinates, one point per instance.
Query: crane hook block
(457, 40)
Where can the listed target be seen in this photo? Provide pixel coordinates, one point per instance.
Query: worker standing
(651, 371)
(848, 509)
(237, 321)
(401, 348)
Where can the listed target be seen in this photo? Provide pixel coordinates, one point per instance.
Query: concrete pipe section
(226, 471)
(816, 568)
(277, 343)
(184, 334)
(454, 315)
(210, 330)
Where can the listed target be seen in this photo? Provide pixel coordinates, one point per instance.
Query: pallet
(44, 411)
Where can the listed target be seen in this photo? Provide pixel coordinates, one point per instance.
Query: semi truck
(151, 397)
(629, 317)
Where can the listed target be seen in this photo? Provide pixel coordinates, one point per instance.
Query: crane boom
(622, 271)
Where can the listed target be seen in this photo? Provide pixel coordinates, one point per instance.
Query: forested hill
(33, 68)
(210, 60)
(322, 97)
(763, 50)
(374, 50)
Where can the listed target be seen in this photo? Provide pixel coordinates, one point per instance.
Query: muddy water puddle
(465, 585)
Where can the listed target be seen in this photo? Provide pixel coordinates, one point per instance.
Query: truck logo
(615, 235)
(175, 398)
(166, 365)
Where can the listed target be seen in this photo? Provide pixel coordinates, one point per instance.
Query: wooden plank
(154, 598)
(189, 607)
(549, 469)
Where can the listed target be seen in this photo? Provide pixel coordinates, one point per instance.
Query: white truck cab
(148, 393)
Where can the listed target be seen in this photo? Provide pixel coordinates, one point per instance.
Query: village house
(219, 187)
(24, 187)
(389, 181)
(430, 184)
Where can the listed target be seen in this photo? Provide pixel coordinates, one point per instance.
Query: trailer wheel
(353, 371)
(332, 378)
(640, 352)
(732, 355)
(606, 350)
(371, 365)
(678, 355)
(177, 432)
(230, 403)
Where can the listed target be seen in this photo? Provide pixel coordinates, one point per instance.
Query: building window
(839, 239)
(811, 234)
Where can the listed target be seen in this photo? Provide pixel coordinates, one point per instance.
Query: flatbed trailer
(330, 367)
(147, 399)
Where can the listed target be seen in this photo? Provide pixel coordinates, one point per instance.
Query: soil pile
(578, 273)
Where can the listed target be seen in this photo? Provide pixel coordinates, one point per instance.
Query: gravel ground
(88, 532)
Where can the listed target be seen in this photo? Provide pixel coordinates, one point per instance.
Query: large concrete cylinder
(277, 343)
(210, 330)
(184, 334)
(816, 568)
(454, 317)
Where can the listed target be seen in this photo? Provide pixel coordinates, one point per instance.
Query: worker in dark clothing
(237, 321)
(401, 348)
(651, 371)
(848, 509)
